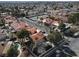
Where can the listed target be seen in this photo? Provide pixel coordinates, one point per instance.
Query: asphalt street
(74, 45)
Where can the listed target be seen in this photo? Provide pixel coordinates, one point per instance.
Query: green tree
(2, 22)
(54, 37)
(61, 26)
(41, 18)
(22, 15)
(12, 52)
(22, 34)
(69, 5)
(74, 18)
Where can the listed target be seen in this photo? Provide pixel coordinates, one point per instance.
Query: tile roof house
(47, 21)
(32, 30)
(9, 19)
(37, 36)
(19, 25)
(51, 22)
(15, 24)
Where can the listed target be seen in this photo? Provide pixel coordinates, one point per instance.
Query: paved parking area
(74, 45)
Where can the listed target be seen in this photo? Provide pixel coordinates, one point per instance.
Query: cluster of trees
(74, 18)
(69, 5)
(22, 35)
(55, 37)
(16, 12)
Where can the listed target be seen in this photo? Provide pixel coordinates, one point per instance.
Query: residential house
(37, 37)
(19, 25)
(47, 21)
(10, 19)
(32, 30)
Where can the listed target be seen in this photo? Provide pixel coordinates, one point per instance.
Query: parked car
(76, 34)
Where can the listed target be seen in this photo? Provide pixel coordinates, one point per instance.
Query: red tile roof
(19, 25)
(9, 19)
(37, 36)
(32, 30)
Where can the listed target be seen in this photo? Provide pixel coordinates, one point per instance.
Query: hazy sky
(39, 0)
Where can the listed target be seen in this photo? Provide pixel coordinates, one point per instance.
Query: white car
(76, 34)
